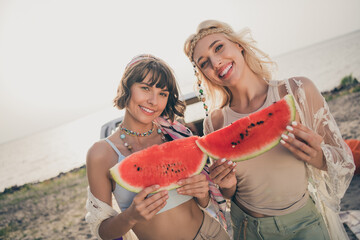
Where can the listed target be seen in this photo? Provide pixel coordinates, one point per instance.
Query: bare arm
(99, 161)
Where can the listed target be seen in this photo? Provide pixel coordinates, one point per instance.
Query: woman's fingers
(156, 202)
(146, 207)
(146, 191)
(196, 186)
(306, 144)
(297, 146)
(220, 169)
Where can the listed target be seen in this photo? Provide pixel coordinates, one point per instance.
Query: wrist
(130, 217)
(204, 201)
(228, 192)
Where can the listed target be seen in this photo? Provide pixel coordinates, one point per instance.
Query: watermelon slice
(250, 136)
(163, 164)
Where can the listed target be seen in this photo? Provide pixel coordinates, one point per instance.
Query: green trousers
(305, 223)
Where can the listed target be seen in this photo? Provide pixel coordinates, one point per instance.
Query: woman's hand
(143, 208)
(306, 145)
(222, 172)
(196, 186)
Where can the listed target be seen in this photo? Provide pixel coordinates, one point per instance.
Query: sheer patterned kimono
(326, 187)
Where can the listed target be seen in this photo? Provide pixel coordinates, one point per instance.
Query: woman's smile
(146, 110)
(225, 71)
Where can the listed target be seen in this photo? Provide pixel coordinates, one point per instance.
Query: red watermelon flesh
(163, 164)
(250, 136)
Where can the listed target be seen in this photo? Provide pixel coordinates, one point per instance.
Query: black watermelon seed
(242, 136)
(270, 114)
(238, 142)
(138, 168)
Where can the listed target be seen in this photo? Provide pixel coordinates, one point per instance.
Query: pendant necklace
(137, 134)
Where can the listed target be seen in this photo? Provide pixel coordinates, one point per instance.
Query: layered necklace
(137, 134)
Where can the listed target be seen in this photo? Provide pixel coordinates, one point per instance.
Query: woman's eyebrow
(210, 46)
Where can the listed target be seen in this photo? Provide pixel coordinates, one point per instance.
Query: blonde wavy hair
(258, 61)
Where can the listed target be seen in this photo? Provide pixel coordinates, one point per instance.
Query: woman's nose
(153, 99)
(216, 62)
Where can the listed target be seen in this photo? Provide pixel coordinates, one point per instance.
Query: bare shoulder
(100, 155)
(217, 119)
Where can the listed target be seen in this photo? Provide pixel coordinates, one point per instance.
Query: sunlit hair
(162, 77)
(258, 61)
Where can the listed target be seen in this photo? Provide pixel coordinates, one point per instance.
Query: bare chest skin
(181, 222)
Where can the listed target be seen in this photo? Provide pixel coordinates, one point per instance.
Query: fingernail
(230, 162)
(223, 160)
(289, 128)
(179, 182)
(234, 170)
(282, 141)
(234, 164)
(284, 136)
(294, 123)
(157, 186)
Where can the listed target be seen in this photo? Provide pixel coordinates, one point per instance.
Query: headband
(205, 33)
(139, 58)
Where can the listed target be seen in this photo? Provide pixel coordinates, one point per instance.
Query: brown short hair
(162, 77)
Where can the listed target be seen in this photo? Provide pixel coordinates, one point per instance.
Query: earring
(201, 95)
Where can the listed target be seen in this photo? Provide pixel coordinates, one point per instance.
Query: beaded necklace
(133, 133)
(137, 134)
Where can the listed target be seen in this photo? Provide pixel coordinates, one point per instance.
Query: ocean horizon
(47, 153)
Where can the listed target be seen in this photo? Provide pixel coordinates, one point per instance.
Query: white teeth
(225, 70)
(146, 109)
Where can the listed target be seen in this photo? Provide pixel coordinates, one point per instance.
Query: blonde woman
(294, 190)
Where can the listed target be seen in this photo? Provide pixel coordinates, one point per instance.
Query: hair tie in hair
(205, 33)
(139, 58)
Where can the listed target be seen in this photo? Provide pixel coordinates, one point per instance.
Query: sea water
(46, 154)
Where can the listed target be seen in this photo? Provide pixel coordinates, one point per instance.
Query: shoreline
(55, 208)
(348, 88)
(16, 188)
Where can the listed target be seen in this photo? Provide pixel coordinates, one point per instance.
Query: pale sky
(63, 59)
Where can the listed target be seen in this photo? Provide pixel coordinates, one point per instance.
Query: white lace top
(326, 187)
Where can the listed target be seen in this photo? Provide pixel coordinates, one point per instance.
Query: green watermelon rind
(291, 103)
(118, 179)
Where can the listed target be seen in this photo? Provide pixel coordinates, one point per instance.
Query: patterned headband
(139, 58)
(205, 33)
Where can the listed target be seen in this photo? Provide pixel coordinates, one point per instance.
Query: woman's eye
(218, 47)
(145, 88)
(203, 64)
(164, 94)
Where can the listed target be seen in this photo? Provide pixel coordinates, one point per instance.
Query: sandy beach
(55, 209)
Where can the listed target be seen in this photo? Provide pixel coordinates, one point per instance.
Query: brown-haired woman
(149, 94)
